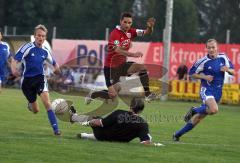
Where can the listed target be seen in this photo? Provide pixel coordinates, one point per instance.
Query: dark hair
(137, 105)
(1, 31)
(126, 14)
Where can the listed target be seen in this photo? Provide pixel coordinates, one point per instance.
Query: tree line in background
(193, 20)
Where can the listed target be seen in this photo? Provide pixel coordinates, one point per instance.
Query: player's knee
(35, 111)
(213, 111)
(140, 68)
(117, 87)
(143, 68)
(113, 95)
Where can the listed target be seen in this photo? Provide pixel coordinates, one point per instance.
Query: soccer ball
(59, 106)
(61, 109)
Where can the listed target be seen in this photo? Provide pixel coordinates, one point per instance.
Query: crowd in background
(69, 77)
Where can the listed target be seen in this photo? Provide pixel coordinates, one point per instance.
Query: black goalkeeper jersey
(122, 126)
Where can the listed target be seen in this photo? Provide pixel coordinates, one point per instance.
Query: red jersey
(122, 39)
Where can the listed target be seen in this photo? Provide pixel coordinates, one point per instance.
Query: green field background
(25, 137)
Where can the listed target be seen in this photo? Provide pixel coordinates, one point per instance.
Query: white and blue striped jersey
(33, 58)
(4, 55)
(212, 67)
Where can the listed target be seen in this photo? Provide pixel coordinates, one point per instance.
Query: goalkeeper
(119, 126)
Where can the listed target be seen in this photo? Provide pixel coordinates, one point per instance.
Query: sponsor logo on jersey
(116, 42)
(129, 35)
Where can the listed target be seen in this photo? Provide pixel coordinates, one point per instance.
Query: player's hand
(209, 78)
(57, 71)
(87, 123)
(112, 92)
(151, 22)
(137, 55)
(224, 69)
(16, 73)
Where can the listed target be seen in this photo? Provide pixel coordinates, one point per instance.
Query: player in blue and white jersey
(4, 56)
(33, 56)
(210, 69)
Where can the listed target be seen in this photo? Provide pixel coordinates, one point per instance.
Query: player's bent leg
(46, 100)
(189, 114)
(212, 106)
(144, 78)
(105, 94)
(189, 126)
(197, 118)
(89, 98)
(117, 87)
(136, 67)
(51, 116)
(33, 107)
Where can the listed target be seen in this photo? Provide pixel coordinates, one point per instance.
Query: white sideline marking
(166, 142)
(200, 144)
(22, 138)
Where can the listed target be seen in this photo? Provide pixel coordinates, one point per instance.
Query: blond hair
(42, 27)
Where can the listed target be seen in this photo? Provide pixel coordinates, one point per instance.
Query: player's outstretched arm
(208, 78)
(14, 69)
(119, 50)
(150, 26)
(57, 69)
(93, 123)
(148, 142)
(229, 70)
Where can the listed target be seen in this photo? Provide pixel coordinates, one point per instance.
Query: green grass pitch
(25, 137)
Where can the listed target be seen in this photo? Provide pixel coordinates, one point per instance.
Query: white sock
(80, 118)
(88, 136)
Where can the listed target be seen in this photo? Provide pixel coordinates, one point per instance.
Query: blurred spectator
(4, 59)
(182, 71)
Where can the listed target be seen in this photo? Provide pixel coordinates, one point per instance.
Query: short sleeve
(49, 58)
(18, 56)
(198, 66)
(23, 51)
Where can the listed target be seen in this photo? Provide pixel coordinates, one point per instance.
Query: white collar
(118, 27)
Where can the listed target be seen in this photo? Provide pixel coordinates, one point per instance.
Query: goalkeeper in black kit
(119, 126)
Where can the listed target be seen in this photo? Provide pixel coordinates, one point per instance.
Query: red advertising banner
(66, 50)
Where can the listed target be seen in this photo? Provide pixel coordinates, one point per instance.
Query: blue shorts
(206, 93)
(31, 86)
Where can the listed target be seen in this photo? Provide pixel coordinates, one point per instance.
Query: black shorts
(31, 86)
(112, 75)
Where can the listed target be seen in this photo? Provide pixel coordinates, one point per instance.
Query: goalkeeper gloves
(87, 123)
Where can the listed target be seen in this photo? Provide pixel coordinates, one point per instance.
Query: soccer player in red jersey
(116, 64)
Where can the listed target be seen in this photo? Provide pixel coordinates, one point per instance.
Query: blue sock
(53, 120)
(201, 109)
(185, 129)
